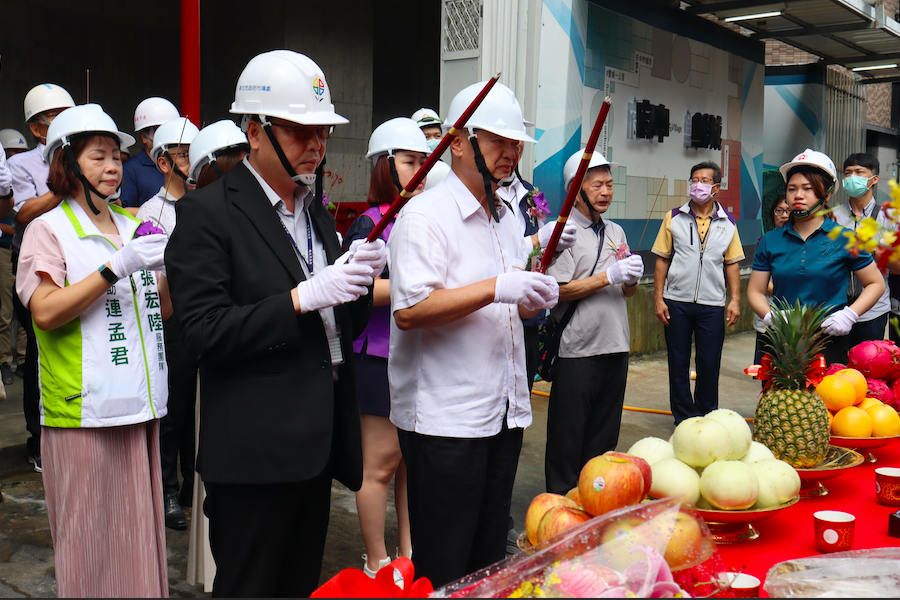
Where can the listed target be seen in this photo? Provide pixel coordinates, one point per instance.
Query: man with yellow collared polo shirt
(698, 250)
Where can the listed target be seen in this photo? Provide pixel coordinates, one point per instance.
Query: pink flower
(623, 251)
(147, 228)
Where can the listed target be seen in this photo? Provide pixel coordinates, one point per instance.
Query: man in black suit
(279, 414)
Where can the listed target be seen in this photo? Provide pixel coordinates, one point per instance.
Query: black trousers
(584, 415)
(868, 330)
(268, 540)
(31, 395)
(706, 324)
(176, 429)
(459, 492)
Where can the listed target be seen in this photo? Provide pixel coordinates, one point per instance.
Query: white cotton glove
(532, 290)
(767, 320)
(373, 254)
(841, 322)
(334, 285)
(626, 270)
(635, 268)
(566, 239)
(146, 252)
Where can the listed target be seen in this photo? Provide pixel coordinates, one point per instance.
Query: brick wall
(778, 53)
(878, 111)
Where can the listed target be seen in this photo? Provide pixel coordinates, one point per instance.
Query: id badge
(334, 345)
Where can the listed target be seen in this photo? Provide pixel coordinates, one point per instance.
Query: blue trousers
(706, 324)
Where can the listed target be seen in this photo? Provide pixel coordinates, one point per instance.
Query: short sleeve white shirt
(456, 380)
(844, 217)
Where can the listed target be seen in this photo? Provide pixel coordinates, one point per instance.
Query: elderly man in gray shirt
(598, 272)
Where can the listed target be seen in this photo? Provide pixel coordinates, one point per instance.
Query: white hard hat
(83, 119)
(810, 158)
(571, 166)
(425, 117)
(212, 140)
(11, 139)
(153, 112)
(286, 85)
(172, 133)
(396, 134)
(437, 174)
(500, 112)
(44, 97)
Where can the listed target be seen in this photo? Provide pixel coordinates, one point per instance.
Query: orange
(858, 380)
(830, 418)
(837, 392)
(885, 421)
(852, 422)
(869, 403)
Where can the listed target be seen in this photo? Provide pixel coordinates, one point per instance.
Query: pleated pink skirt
(104, 496)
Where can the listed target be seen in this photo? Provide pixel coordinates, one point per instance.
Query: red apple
(558, 519)
(686, 546)
(573, 495)
(609, 482)
(538, 507)
(641, 464)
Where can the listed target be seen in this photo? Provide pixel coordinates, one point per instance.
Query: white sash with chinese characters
(113, 354)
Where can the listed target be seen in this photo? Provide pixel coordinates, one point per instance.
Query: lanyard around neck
(309, 245)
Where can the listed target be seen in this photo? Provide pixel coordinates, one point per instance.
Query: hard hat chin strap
(802, 214)
(306, 180)
(590, 208)
(174, 167)
(487, 177)
(88, 188)
(395, 177)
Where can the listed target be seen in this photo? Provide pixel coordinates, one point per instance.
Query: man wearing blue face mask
(860, 180)
(697, 252)
(430, 124)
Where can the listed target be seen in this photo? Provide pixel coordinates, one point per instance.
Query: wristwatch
(108, 274)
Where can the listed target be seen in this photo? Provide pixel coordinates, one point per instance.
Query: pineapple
(791, 418)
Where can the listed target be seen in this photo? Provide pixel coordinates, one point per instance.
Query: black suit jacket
(270, 409)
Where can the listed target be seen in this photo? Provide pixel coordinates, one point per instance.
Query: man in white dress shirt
(459, 394)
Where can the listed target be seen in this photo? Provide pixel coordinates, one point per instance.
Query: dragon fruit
(880, 391)
(895, 390)
(878, 359)
(834, 368)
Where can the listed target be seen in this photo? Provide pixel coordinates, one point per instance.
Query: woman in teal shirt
(805, 264)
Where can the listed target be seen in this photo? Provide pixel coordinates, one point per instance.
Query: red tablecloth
(789, 534)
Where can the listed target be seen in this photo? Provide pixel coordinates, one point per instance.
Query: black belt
(7, 245)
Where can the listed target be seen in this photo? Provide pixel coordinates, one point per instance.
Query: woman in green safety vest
(89, 283)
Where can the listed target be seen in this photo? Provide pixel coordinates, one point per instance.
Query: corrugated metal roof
(851, 33)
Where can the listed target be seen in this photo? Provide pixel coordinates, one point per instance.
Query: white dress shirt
(29, 180)
(844, 217)
(513, 194)
(455, 380)
(159, 210)
(296, 224)
(5, 175)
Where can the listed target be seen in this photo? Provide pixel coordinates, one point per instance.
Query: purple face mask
(701, 193)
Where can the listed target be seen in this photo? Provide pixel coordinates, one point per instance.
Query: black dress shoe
(174, 515)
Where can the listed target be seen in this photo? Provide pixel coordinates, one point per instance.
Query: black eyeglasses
(324, 132)
(780, 212)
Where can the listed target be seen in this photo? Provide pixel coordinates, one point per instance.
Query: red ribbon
(353, 583)
(765, 372)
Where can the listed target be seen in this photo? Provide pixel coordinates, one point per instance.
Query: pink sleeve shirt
(42, 252)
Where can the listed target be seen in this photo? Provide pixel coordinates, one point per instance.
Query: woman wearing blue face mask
(860, 179)
(806, 264)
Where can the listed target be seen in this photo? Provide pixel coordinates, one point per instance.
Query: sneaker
(512, 542)
(381, 564)
(36, 461)
(6, 373)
